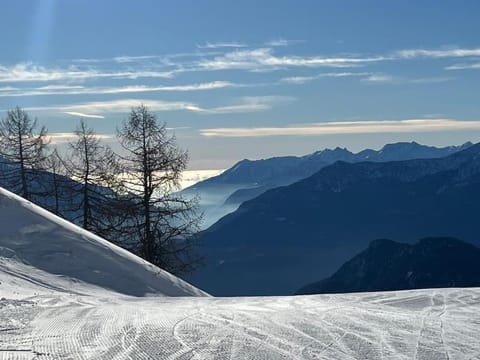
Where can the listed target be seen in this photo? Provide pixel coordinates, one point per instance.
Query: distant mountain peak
(403, 144)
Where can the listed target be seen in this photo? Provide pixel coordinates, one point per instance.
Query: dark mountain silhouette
(247, 179)
(388, 265)
(41, 184)
(293, 235)
(288, 169)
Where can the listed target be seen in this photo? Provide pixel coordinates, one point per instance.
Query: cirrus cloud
(99, 109)
(347, 127)
(65, 137)
(81, 90)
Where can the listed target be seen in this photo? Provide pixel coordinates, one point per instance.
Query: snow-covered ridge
(40, 252)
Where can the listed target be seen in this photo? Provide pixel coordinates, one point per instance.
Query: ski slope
(67, 294)
(422, 324)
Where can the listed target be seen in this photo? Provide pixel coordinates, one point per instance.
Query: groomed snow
(67, 294)
(423, 324)
(40, 252)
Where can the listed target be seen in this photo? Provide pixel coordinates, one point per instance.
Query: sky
(248, 79)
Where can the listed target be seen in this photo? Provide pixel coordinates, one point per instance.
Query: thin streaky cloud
(28, 72)
(437, 53)
(282, 42)
(87, 60)
(65, 137)
(122, 59)
(219, 45)
(102, 108)
(348, 127)
(250, 104)
(81, 90)
(379, 78)
(83, 115)
(128, 59)
(265, 59)
(254, 60)
(304, 79)
(474, 66)
(396, 80)
(431, 80)
(298, 79)
(125, 105)
(56, 87)
(179, 128)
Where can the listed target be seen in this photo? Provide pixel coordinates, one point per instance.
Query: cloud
(298, 79)
(250, 104)
(79, 114)
(437, 53)
(102, 108)
(28, 72)
(368, 77)
(431, 80)
(7, 88)
(347, 127)
(386, 78)
(124, 106)
(128, 59)
(224, 56)
(99, 109)
(377, 78)
(79, 90)
(474, 66)
(60, 138)
(209, 45)
(264, 59)
(179, 128)
(282, 42)
(304, 79)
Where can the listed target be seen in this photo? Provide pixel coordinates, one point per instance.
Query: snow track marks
(423, 324)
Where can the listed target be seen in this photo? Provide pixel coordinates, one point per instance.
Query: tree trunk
(86, 203)
(23, 175)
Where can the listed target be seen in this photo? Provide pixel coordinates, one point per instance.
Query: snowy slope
(41, 253)
(420, 324)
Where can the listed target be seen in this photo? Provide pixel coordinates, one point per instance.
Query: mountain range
(222, 194)
(388, 265)
(296, 234)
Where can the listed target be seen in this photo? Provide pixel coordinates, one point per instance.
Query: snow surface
(40, 253)
(422, 324)
(67, 294)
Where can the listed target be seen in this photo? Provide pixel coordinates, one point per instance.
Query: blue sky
(249, 79)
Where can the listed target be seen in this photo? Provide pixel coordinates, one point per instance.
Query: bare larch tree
(162, 222)
(22, 151)
(93, 166)
(57, 184)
